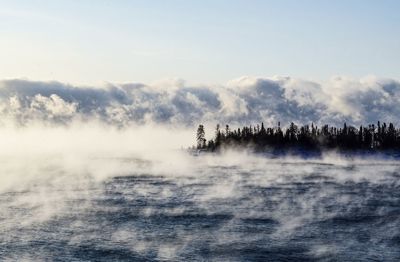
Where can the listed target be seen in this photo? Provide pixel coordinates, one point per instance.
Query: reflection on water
(260, 209)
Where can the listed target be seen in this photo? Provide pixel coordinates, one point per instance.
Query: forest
(259, 137)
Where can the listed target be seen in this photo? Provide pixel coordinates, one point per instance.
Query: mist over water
(71, 194)
(281, 141)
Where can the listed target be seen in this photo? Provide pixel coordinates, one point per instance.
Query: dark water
(229, 210)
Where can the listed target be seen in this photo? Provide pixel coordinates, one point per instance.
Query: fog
(244, 100)
(81, 146)
(76, 190)
(102, 173)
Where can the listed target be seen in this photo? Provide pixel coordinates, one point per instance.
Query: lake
(234, 207)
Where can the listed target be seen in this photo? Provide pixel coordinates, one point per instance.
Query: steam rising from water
(119, 188)
(90, 193)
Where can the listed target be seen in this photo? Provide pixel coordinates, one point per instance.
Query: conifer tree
(201, 141)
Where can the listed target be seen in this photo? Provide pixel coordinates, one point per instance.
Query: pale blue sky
(200, 41)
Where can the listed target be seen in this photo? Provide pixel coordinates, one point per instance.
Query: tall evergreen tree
(201, 140)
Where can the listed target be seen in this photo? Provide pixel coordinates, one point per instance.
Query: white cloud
(241, 101)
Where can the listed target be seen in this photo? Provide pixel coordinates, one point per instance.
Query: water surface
(212, 208)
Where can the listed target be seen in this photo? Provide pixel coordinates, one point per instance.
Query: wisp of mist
(92, 192)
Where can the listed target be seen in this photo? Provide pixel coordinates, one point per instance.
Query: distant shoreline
(305, 140)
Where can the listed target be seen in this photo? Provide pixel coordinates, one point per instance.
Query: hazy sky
(204, 41)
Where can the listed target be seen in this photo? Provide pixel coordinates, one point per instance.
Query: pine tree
(201, 141)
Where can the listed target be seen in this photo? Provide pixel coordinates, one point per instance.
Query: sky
(90, 42)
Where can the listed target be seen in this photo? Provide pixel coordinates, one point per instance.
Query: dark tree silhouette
(371, 137)
(201, 141)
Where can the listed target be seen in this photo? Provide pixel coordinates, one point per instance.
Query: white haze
(24, 151)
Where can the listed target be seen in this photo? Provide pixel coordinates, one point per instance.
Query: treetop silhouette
(305, 137)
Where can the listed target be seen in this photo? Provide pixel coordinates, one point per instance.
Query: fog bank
(241, 101)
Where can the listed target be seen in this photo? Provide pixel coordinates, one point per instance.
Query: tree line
(382, 136)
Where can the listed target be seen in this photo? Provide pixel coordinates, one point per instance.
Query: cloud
(244, 100)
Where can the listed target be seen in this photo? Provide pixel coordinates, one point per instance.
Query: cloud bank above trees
(244, 100)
